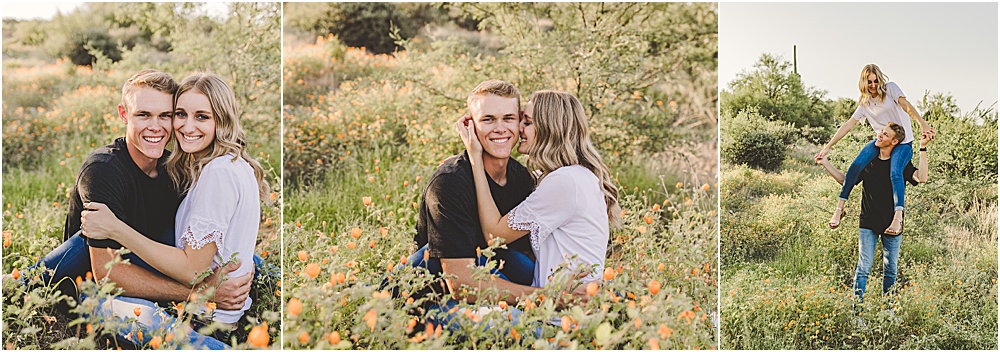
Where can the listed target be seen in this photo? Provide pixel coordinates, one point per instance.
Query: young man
(877, 206)
(129, 176)
(448, 228)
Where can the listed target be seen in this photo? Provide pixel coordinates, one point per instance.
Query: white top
(568, 220)
(880, 113)
(223, 207)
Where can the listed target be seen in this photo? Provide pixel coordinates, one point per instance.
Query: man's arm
(461, 269)
(841, 132)
(830, 169)
(922, 172)
(141, 283)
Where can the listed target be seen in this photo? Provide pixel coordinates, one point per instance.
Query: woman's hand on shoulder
(467, 130)
(98, 222)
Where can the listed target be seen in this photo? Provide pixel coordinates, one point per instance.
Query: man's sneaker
(861, 324)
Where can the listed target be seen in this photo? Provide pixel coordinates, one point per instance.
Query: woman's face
(872, 84)
(194, 123)
(527, 129)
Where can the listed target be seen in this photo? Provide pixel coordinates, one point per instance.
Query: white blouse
(223, 207)
(568, 220)
(880, 113)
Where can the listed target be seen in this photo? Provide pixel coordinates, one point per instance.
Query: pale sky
(920, 46)
(47, 10)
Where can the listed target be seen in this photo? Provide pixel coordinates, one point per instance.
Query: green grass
(787, 278)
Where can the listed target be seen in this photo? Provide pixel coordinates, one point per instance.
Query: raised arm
(910, 110)
(922, 172)
(830, 169)
(492, 223)
(841, 132)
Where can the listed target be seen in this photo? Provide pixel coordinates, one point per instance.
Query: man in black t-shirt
(448, 228)
(128, 176)
(877, 206)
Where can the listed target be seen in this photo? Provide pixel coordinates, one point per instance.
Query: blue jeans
(72, 259)
(867, 240)
(518, 268)
(152, 320)
(901, 155)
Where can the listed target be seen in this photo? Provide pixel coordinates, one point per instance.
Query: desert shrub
(958, 150)
(748, 138)
(83, 47)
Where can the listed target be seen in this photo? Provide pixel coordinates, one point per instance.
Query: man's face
(885, 138)
(496, 124)
(148, 123)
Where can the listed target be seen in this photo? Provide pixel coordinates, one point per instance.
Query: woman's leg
(151, 320)
(865, 156)
(901, 155)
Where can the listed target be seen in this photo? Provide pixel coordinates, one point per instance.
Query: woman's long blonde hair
(562, 138)
(184, 168)
(863, 83)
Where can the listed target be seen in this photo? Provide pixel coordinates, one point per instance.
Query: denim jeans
(517, 268)
(867, 240)
(901, 154)
(152, 320)
(72, 259)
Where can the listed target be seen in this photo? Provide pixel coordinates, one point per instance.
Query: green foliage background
(362, 125)
(787, 278)
(56, 112)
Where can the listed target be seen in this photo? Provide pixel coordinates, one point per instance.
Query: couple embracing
(558, 215)
(181, 213)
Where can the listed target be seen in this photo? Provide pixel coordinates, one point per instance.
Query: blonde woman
(569, 215)
(222, 188)
(881, 102)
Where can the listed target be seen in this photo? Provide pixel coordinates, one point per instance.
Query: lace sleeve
(524, 221)
(201, 232)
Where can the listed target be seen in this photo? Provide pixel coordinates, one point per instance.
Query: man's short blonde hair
(148, 78)
(495, 87)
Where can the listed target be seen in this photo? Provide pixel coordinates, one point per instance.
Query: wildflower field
(787, 278)
(55, 113)
(363, 133)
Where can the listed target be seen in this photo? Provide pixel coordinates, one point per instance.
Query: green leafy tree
(778, 93)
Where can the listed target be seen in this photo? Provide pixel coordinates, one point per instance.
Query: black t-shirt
(110, 176)
(449, 217)
(877, 206)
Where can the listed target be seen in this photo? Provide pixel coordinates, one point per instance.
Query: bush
(748, 138)
(85, 47)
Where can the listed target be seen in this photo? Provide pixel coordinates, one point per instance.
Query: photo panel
(142, 175)
(590, 154)
(895, 101)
